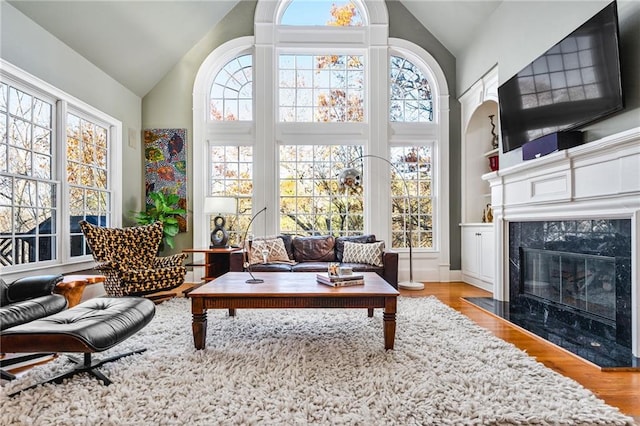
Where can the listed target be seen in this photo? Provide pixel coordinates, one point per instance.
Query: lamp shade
(219, 205)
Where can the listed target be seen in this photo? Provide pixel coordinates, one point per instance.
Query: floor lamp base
(410, 285)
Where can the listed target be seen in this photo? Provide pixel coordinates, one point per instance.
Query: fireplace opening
(570, 283)
(582, 283)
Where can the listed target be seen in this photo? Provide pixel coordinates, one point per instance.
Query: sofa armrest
(236, 261)
(30, 287)
(390, 262)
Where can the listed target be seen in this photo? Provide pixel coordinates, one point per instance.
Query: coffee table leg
(389, 317)
(199, 324)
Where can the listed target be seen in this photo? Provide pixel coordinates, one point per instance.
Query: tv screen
(573, 83)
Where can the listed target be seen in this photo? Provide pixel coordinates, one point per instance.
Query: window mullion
(62, 188)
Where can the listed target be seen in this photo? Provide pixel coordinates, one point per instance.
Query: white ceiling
(138, 42)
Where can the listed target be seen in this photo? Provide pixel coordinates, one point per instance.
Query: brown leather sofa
(313, 254)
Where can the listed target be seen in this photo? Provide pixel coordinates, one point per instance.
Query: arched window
(328, 94)
(322, 12)
(411, 96)
(232, 91)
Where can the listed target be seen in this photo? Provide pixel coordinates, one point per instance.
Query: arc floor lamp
(352, 178)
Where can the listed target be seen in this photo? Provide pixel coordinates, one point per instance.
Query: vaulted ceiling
(138, 42)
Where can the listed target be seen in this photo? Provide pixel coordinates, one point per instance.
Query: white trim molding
(599, 179)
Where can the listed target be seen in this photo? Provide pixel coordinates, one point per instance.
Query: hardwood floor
(619, 389)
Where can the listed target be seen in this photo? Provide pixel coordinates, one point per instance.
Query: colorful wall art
(165, 153)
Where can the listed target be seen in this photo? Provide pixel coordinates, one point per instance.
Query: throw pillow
(318, 248)
(370, 253)
(276, 252)
(371, 238)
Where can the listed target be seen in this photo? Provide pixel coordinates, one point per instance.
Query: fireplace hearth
(570, 283)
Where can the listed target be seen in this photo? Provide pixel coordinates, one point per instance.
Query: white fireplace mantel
(600, 179)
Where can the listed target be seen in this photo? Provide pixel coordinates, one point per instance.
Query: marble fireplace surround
(597, 180)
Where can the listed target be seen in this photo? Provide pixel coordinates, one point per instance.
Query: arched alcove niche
(478, 149)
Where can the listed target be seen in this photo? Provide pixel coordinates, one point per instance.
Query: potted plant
(164, 209)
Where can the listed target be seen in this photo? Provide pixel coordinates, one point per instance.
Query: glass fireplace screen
(580, 281)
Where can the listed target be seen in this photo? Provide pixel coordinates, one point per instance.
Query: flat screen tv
(575, 82)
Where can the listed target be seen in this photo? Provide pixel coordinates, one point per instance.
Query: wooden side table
(72, 287)
(216, 261)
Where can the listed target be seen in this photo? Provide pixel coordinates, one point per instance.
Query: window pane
(20, 104)
(311, 201)
(27, 215)
(327, 88)
(3, 97)
(88, 178)
(231, 176)
(321, 13)
(231, 94)
(411, 197)
(410, 92)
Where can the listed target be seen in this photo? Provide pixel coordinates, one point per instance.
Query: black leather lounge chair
(92, 326)
(25, 300)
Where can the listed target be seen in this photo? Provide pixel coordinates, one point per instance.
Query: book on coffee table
(340, 280)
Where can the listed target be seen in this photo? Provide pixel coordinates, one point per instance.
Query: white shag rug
(322, 366)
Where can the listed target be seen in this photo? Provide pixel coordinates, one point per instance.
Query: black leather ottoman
(93, 326)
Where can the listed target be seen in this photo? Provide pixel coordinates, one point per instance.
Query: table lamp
(219, 206)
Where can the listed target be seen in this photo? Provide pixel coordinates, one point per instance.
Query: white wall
(27, 45)
(520, 31)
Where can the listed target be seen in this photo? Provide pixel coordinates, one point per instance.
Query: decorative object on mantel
(489, 213)
(484, 216)
(219, 206)
(494, 136)
(494, 162)
(493, 154)
(165, 153)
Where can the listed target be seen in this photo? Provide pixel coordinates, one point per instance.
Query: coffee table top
(290, 284)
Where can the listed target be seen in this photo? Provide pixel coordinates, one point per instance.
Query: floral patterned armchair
(128, 259)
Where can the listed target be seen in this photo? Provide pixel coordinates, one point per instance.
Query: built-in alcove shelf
(491, 153)
(477, 104)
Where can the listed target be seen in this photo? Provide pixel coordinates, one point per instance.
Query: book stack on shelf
(340, 280)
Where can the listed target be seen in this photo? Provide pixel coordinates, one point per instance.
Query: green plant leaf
(164, 209)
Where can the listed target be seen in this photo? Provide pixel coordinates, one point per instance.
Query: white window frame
(64, 102)
(377, 134)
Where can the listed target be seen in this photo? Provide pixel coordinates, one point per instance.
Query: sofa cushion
(370, 253)
(314, 249)
(310, 267)
(271, 267)
(276, 251)
(354, 239)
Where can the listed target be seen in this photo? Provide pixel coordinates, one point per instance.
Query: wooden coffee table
(283, 290)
